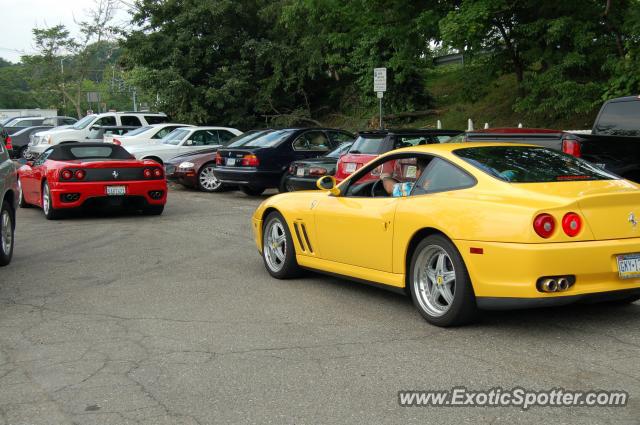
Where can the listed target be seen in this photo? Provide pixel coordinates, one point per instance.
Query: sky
(19, 17)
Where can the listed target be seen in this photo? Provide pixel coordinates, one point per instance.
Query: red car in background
(371, 144)
(74, 175)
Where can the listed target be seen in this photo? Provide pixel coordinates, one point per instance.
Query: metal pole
(381, 114)
(64, 99)
(135, 105)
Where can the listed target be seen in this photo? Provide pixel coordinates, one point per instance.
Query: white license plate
(350, 167)
(629, 266)
(116, 190)
(231, 161)
(300, 172)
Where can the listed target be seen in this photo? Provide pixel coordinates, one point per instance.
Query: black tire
(153, 210)
(156, 159)
(49, 212)
(288, 267)
(7, 234)
(21, 153)
(208, 167)
(21, 202)
(252, 190)
(463, 308)
(282, 188)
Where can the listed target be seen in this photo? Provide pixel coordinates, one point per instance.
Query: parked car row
(550, 201)
(88, 129)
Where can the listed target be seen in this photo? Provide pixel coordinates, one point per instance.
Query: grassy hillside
(458, 97)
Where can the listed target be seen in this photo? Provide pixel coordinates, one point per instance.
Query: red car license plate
(116, 190)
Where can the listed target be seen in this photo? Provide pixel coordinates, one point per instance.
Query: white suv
(81, 131)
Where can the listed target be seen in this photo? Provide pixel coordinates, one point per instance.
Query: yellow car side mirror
(328, 183)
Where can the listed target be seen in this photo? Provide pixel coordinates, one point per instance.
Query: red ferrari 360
(77, 175)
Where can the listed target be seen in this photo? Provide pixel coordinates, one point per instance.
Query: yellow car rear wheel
(439, 283)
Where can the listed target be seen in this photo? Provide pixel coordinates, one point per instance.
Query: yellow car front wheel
(278, 251)
(439, 283)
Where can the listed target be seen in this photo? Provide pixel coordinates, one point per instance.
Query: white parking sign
(380, 79)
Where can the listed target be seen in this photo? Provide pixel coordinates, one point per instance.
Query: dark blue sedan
(262, 163)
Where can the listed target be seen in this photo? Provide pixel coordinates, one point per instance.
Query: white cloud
(19, 17)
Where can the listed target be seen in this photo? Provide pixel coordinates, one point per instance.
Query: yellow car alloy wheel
(435, 278)
(439, 283)
(278, 251)
(275, 245)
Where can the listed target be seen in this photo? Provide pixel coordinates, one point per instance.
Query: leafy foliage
(240, 62)
(567, 56)
(255, 63)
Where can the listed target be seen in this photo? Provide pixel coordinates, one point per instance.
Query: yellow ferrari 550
(462, 227)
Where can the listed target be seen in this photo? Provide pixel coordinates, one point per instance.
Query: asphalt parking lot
(117, 319)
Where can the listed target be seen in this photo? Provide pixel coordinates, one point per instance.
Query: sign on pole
(380, 79)
(93, 97)
(380, 86)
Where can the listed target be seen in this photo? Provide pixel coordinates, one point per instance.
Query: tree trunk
(615, 32)
(515, 56)
(74, 102)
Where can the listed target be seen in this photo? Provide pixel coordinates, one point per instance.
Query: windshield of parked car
(367, 144)
(270, 139)
(245, 138)
(176, 136)
(462, 137)
(340, 150)
(83, 123)
(138, 131)
(12, 122)
(619, 119)
(525, 164)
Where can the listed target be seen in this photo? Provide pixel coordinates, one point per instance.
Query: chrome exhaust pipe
(549, 285)
(563, 284)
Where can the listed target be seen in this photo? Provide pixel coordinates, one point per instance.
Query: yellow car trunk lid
(610, 208)
(612, 216)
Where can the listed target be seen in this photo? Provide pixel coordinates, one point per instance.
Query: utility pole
(135, 104)
(380, 99)
(64, 99)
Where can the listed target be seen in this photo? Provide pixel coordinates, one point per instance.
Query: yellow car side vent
(306, 237)
(297, 229)
(303, 237)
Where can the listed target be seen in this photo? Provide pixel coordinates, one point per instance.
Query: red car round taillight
(218, 158)
(571, 224)
(157, 172)
(80, 174)
(66, 175)
(544, 225)
(147, 173)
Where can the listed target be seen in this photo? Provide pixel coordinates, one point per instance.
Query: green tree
(562, 53)
(14, 89)
(59, 70)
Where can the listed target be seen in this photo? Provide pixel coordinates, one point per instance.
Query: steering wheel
(374, 188)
